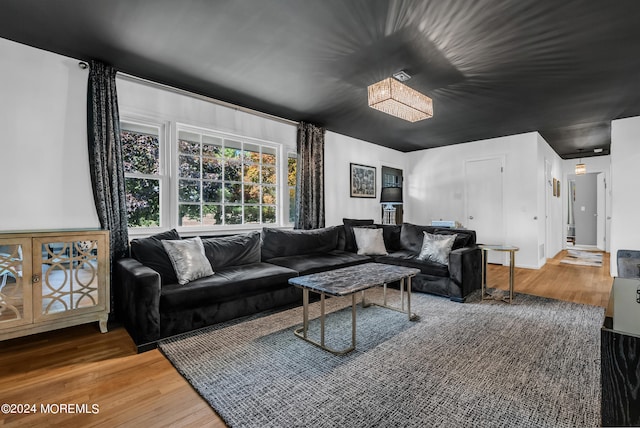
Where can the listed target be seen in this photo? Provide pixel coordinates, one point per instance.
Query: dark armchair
(628, 263)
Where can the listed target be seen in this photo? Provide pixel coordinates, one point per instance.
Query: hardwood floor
(556, 280)
(79, 365)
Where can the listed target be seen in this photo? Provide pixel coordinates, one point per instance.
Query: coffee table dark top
(345, 281)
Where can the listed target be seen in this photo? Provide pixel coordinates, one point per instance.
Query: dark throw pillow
(150, 252)
(282, 243)
(232, 250)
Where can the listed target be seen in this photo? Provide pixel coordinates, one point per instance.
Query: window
(203, 179)
(223, 180)
(143, 173)
(292, 163)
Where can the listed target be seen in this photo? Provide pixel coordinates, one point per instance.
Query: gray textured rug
(535, 363)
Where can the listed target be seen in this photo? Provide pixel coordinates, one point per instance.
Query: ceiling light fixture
(394, 98)
(580, 167)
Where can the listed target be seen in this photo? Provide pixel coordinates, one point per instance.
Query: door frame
(548, 195)
(601, 211)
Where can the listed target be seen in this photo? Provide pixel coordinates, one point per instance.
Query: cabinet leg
(103, 324)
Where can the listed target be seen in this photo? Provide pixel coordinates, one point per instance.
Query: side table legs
(486, 295)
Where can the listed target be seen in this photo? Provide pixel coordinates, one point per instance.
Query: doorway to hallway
(586, 220)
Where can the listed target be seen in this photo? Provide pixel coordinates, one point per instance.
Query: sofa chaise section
(455, 280)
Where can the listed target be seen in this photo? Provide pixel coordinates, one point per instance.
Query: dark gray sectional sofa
(251, 273)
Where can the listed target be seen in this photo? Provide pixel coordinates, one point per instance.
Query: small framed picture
(363, 181)
(555, 186)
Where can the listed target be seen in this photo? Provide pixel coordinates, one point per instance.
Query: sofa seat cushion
(320, 262)
(226, 284)
(408, 259)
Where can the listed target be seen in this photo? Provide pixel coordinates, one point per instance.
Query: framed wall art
(555, 186)
(363, 181)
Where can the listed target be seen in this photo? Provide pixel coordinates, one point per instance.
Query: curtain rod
(179, 91)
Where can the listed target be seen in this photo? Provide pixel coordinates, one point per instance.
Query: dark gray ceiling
(492, 67)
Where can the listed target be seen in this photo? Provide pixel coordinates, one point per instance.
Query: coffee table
(349, 281)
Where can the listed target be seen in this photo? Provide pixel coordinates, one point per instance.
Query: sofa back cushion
(282, 243)
(391, 234)
(150, 252)
(234, 250)
(412, 236)
(464, 238)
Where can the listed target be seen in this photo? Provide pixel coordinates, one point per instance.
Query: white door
(601, 221)
(483, 193)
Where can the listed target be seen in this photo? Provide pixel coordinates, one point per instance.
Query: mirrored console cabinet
(51, 280)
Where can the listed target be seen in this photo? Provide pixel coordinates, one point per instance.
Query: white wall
(553, 241)
(340, 151)
(149, 101)
(44, 169)
(625, 158)
(436, 187)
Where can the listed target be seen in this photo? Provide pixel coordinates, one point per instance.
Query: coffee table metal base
(302, 332)
(412, 316)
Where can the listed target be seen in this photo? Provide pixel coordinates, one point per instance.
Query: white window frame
(281, 185)
(163, 176)
(286, 203)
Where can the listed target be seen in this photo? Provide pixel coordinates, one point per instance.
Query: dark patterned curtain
(310, 177)
(105, 156)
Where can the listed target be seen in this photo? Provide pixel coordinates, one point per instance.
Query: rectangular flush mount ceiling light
(397, 99)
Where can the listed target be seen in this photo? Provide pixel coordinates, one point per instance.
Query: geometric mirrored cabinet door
(69, 277)
(15, 288)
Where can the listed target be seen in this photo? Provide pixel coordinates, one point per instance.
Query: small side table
(512, 251)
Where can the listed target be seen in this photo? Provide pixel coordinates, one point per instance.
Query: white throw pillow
(436, 248)
(369, 241)
(188, 259)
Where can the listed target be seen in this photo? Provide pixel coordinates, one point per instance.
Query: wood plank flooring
(79, 365)
(556, 280)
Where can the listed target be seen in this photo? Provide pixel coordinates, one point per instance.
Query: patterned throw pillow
(370, 242)
(188, 259)
(436, 248)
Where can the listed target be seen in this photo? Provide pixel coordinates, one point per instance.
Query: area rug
(533, 363)
(583, 258)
